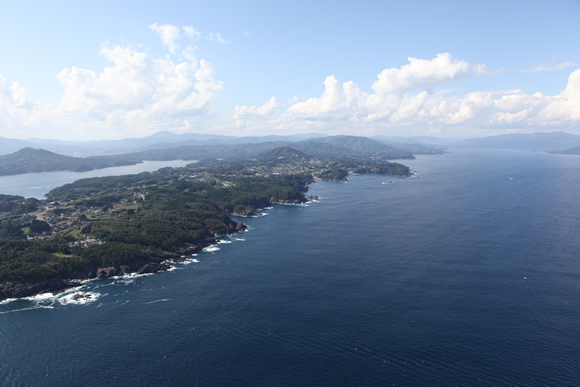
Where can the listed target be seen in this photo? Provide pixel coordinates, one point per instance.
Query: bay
(466, 274)
(35, 185)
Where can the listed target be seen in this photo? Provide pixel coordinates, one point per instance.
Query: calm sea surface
(461, 276)
(35, 185)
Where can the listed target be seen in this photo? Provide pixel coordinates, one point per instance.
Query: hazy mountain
(362, 144)
(429, 141)
(536, 141)
(312, 147)
(159, 140)
(410, 145)
(572, 151)
(10, 145)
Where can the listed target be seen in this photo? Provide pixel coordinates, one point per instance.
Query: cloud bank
(138, 94)
(404, 98)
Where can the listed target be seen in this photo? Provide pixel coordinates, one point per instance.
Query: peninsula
(109, 226)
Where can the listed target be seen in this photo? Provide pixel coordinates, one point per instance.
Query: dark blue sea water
(461, 276)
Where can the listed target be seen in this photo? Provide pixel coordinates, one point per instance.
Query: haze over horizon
(450, 69)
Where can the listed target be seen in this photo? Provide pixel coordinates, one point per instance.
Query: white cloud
(550, 66)
(191, 32)
(168, 34)
(245, 112)
(424, 74)
(403, 98)
(217, 37)
(136, 93)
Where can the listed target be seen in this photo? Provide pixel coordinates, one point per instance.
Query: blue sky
(94, 70)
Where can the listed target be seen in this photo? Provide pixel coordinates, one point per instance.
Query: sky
(80, 70)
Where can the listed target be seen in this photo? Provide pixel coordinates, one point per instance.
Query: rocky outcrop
(153, 267)
(291, 201)
(20, 289)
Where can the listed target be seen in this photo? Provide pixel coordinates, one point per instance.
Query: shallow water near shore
(465, 274)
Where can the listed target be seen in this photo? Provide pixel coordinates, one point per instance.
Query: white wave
(224, 241)
(31, 308)
(260, 214)
(78, 298)
(127, 278)
(45, 296)
(188, 261)
(211, 249)
(8, 300)
(161, 300)
(241, 239)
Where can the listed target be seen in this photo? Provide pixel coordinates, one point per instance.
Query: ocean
(466, 274)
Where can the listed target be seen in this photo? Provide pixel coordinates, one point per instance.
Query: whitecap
(224, 241)
(78, 298)
(44, 296)
(161, 300)
(241, 239)
(188, 261)
(211, 248)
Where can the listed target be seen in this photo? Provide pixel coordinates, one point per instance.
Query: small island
(110, 226)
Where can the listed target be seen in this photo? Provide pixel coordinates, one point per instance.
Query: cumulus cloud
(550, 66)
(136, 91)
(403, 97)
(168, 34)
(242, 111)
(424, 74)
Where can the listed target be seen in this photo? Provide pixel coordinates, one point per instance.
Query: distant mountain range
(159, 140)
(552, 141)
(40, 160)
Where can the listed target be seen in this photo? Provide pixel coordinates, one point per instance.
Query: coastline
(156, 263)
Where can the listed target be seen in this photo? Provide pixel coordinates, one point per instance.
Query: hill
(284, 154)
(572, 151)
(29, 160)
(363, 145)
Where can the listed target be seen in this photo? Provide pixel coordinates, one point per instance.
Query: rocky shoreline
(156, 263)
